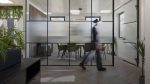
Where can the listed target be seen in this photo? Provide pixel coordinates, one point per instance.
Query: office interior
(58, 34)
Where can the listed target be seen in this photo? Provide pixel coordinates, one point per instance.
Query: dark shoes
(102, 69)
(82, 66)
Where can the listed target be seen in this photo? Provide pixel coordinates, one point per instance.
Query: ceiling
(74, 3)
(15, 3)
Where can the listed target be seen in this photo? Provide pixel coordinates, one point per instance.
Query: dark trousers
(98, 60)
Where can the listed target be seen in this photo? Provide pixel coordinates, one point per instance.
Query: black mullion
(138, 12)
(47, 34)
(69, 32)
(91, 19)
(113, 33)
(25, 28)
(91, 22)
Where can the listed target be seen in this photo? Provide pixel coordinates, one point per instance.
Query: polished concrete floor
(121, 73)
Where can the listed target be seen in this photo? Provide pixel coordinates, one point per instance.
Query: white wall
(146, 23)
(126, 50)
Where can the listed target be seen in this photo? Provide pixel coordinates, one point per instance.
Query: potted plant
(12, 40)
(140, 47)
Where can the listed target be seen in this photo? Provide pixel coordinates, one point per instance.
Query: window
(57, 18)
(88, 18)
(121, 25)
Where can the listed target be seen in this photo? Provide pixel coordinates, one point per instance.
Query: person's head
(96, 21)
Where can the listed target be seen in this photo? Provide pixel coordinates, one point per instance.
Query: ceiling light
(75, 12)
(6, 2)
(106, 11)
(49, 13)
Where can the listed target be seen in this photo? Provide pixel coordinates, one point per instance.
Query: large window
(121, 25)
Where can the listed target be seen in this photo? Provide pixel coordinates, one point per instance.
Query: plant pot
(13, 58)
(142, 80)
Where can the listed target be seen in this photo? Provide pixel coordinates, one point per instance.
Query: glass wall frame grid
(47, 21)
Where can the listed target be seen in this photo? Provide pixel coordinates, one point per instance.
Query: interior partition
(59, 31)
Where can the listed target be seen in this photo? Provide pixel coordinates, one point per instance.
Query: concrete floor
(121, 73)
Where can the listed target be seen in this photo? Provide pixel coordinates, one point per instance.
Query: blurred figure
(95, 50)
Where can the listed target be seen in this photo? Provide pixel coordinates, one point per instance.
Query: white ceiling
(75, 3)
(15, 3)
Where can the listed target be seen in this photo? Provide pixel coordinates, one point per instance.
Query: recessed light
(75, 12)
(49, 13)
(6, 2)
(106, 11)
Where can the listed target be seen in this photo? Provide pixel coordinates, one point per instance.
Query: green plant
(11, 39)
(140, 47)
(11, 12)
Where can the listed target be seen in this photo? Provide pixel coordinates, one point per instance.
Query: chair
(72, 47)
(50, 49)
(87, 47)
(61, 48)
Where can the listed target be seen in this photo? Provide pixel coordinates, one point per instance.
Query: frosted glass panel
(58, 32)
(80, 32)
(36, 32)
(104, 30)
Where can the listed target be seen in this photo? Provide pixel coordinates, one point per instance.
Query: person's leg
(87, 58)
(99, 61)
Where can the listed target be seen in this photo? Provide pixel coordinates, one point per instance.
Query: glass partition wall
(59, 31)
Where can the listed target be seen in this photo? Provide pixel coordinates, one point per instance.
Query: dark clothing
(94, 35)
(94, 38)
(98, 60)
(89, 56)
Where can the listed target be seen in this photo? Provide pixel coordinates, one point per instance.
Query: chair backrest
(72, 47)
(87, 47)
(61, 47)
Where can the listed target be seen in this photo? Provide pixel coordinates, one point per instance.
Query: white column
(147, 37)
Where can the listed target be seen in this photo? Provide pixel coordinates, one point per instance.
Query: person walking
(95, 50)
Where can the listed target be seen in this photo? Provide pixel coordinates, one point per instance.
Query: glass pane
(80, 33)
(37, 40)
(58, 8)
(37, 10)
(58, 31)
(79, 9)
(36, 32)
(80, 30)
(103, 9)
(58, 37)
